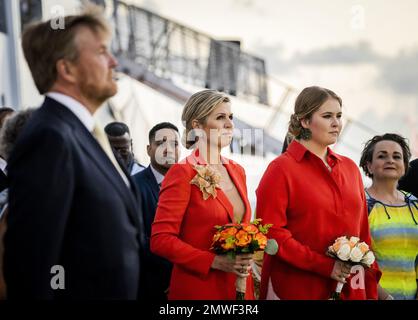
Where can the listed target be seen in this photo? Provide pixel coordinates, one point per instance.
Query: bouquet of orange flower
(239, 238)
(351, 250)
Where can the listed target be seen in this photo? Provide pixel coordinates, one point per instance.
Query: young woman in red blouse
(312, 196)
(183, 228)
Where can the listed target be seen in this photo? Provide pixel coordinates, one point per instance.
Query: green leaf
(230, 240)
(256, 222)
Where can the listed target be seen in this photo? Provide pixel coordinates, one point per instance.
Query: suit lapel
(96, 154)
(221, 197)
(155, 189)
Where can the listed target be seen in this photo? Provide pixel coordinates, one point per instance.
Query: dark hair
(307, 103)
(287, 141)
(367, 153)
(11, 130)
(116, 129)
(44, 44)
(4, 112)
(159, 126)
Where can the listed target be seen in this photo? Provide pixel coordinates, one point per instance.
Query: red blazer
(309, 208)
(183, 229)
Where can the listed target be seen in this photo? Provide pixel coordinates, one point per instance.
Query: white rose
(344, 252)
(368, 258)
(356, 254)
(342, 239)
(354, 240)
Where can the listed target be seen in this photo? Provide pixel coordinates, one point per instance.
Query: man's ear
(65, 70)
(149, 150)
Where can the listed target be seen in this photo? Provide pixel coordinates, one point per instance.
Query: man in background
(121, 142)
(409, 182)
(163, 150)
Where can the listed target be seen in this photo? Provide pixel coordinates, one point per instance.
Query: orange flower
(242, 238)
(228, 232)
(261, 239)
(250, 228)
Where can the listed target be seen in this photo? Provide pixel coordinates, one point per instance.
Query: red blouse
(309, 208)
(183, 230)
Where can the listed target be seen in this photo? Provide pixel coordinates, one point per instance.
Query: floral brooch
(207, 180)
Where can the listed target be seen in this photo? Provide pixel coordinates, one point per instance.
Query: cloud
(361, 52)
(247, 4)
(273, 54)
(400, 73)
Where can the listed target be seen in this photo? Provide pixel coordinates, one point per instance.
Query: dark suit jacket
(409, 182)
(156, 270)
(69, 207)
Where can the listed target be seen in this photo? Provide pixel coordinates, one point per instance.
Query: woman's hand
(382, 294)
(240, 265)
(341, 271)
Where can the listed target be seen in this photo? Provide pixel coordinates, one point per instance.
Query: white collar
(3, 164)
(75, 107)
(158, 176)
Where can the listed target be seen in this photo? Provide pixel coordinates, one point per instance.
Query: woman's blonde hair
(199, 106)
(307, 103)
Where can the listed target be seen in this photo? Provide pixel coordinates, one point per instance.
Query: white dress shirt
(136, 168)
(3, 165)
(158, 176)
(75, 107)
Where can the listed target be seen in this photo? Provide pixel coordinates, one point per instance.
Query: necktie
(102, 139)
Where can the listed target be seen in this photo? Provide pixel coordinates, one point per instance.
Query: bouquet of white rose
(351, 250)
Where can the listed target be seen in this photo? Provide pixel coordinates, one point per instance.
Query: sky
(365, 51)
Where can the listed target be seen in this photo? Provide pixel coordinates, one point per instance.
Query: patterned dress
(394, 231)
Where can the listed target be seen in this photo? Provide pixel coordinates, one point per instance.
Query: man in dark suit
(163, 150)
(73, 226)
(120, 139)
(409, 182)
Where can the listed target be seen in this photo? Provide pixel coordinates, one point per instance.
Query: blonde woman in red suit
(312, 196)
(183, 228)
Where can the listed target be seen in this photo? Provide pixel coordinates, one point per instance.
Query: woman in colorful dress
(393, 216)
(312, 196)
(189, 207)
